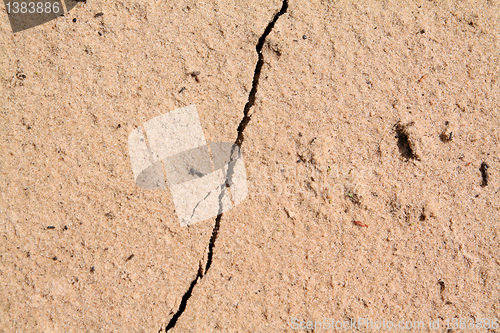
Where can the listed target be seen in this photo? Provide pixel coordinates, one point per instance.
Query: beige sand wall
(321, 152)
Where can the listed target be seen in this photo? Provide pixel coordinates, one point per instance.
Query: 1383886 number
(32, 7)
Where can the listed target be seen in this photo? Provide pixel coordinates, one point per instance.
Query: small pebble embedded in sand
(447, 133)
(484, 174)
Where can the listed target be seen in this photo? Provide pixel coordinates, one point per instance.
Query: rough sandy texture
(379, 113)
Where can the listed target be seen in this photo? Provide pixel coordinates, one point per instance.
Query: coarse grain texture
(71, 92)
(323, 148)
(322, 151)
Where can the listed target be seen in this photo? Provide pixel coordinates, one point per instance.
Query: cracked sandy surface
(235, 151)
(64, 136)
(323, 132)
(321, 153)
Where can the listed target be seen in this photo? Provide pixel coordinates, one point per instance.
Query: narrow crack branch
(235, 149)
(199, 202)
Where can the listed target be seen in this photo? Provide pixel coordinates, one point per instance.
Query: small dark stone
(195, 74)
(99, 14)
(55, 258)
(100, 33)
(304, 37)
(74, 20)
(92, 269)
(484, 174)
(51, 227)
(442, 286)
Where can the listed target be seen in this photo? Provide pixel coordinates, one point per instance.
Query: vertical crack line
(213, 238)
(184, 300)
(235, 153)
(235, 150)
(256, 76)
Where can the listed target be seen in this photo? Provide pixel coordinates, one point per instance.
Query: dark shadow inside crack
(235, 151)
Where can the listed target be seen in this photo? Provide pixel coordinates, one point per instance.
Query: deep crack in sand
(235, 149)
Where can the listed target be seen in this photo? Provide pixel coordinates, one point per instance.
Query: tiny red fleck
(359, 223)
